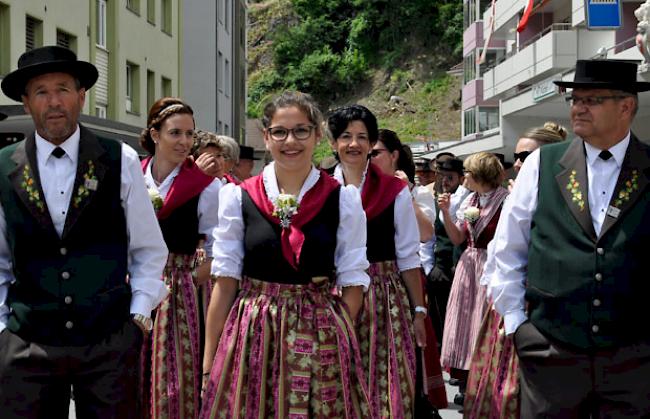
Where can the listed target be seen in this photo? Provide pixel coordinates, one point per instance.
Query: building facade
(512, 89)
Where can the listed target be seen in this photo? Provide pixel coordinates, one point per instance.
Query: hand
(511, 185)
(208, 164)
(444, 202)
(420, 330)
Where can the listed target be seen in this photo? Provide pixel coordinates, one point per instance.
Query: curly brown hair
(162, 109)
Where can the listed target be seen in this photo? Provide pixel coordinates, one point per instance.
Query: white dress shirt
(208, 206)
(147, 252)
(407, 234)
(350, 254)
(512, 238)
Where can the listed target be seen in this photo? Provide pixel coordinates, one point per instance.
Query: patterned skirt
(286, 351)
(176, 367)
(493, 384)
(387, 342)
(465, 310)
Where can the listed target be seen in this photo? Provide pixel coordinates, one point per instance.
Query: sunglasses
(521, 156)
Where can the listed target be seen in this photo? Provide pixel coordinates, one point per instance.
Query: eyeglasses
(521, 156)
(375, 152)
(300, 133)
(591, 100)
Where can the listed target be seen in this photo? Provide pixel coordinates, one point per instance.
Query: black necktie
(605, 155)
(58, 152)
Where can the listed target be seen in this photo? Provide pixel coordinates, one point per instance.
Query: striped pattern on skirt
(176, 368)
(387, 342)
(465, 310)
(493, 384)
(286, 351)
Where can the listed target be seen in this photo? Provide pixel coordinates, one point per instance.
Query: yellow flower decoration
(574, 187)
(631, 185)
(32, 193)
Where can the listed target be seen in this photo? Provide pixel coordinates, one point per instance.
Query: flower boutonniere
(629, 186)
(472, 214)
(285, 206)
(89, 184)
(32, 193)
(574, 187)
(156, 199)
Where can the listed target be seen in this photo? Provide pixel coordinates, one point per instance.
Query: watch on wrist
(143, 322)
(420, 309)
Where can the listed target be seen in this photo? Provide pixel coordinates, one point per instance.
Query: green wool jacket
(69, 290)
(584, 290)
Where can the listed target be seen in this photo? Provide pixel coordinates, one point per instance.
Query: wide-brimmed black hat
(50, 59)
(450, 165)
(506, 164)
(247, 153)
(606, 74)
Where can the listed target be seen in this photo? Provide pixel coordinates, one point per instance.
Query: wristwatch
(420, 309)
(143, 322)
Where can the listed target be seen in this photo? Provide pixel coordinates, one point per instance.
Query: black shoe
(459, 399)
(454, 382)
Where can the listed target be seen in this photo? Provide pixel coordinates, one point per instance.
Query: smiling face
(353, 145)
(54, 102)
(291, 154)
(175, 138)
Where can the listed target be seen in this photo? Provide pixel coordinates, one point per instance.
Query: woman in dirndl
(279, 343)
(387, 328)
(476, 223)
(186, 203)
(493, 383)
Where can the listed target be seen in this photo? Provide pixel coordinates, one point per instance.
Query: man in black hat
(571, 257)
(243, 169)
(81, 253)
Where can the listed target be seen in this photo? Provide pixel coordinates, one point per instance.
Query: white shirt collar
(165, 184)
(618, 151)
(271, 182)
(338, 175)
(44, 148)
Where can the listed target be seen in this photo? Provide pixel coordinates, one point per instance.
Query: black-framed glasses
(521, 156)
(591, 100)
(301, 132)
(377, 151)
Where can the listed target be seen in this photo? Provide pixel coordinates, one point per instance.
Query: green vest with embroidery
(590, 293)
(70, 290)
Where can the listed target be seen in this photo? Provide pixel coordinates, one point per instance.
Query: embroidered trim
(32, 193)
(574, 187)
(631, 185)
(83, 190)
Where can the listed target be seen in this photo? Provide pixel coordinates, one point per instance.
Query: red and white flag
(481, 58)
(524, 19)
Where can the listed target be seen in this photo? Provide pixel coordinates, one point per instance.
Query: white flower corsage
(285, 206)
(471, 214)
(155, 198)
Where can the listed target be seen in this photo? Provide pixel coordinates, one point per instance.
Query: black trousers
(560, 383)
(35, 379)
(438, 289)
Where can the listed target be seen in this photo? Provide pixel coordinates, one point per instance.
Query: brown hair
(303, 101)
(159, 112)
(204, 139)
(549, 133)
(485, 168)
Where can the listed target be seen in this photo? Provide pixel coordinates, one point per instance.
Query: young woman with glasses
(279, 343)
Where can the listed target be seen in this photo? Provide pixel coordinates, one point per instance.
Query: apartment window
(151, 11)
(65, 40)
(101, 23)
(226, 79)
(33, 33)
(134, 6)
(132, 87)
(166, 87)
(220, 71)
(488, 118)
(469, 67)
(100, 111)
(5, 64)
(492, 58)
(469, 122)
(166, 16)
(151, 88)
(469, 13)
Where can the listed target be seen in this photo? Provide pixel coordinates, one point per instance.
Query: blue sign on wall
(603, 14)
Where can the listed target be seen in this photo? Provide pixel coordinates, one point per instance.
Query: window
(132, 87)
(488, 118)
(166, 87)
(151, 88)
(226, 79)
(101, 23)
(151, 11)
(492, 58)
(220, 71)
(5, 64)
(33, 33)
(100, 111)
(469, 67)
(469, 13)
(166, 16)
(66, 40)
(469, 122)
(134, 6)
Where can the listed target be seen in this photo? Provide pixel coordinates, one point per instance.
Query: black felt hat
(450, 165)
(606, 74)
(247, 153)
(50, 59)
(506, 164)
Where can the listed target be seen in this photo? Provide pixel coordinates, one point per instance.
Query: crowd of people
(183, 286)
